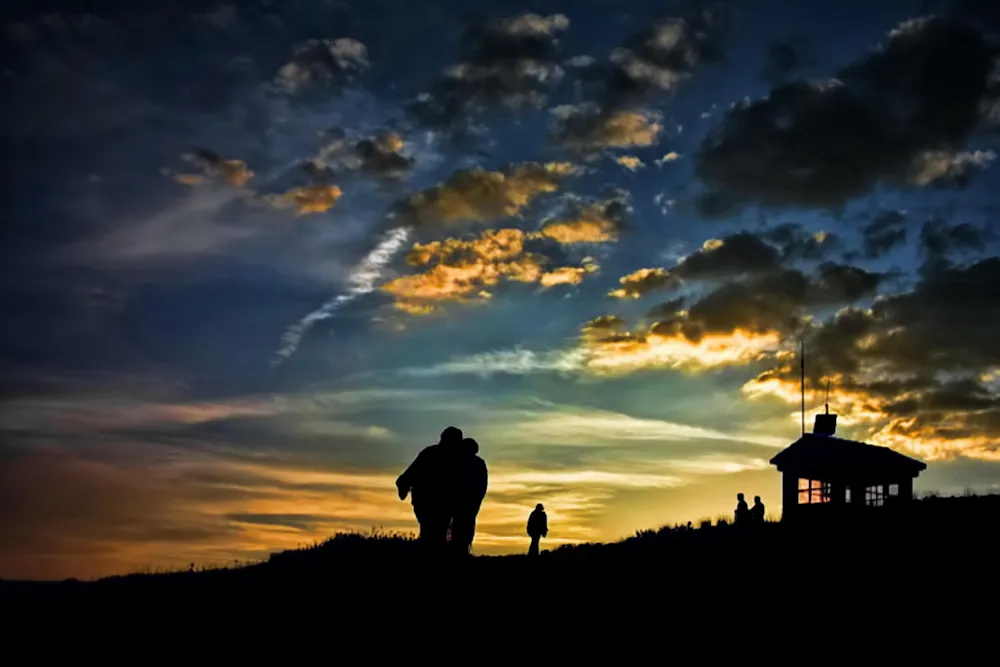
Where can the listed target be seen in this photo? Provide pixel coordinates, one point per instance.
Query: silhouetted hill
(917, 584)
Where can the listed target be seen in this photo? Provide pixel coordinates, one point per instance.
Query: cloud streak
(362, 281)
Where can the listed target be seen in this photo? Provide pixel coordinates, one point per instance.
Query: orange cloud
(672, 156)
(585, 127)
(628, 352)
(869, 414)
(446, 282)
(234, 172)
(630, 162)
(493, 246)
(461, 270)
(567, 275)
(641, 282)
(190, 179)
(603, 325)
(477, 195)
(592, 224)
(308, 199)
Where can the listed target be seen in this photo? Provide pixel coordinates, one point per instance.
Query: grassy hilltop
(917, 584)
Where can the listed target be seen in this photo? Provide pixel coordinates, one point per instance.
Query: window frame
(875, 495)
(814, 492)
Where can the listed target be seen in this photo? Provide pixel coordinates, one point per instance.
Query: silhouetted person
(757, 512)
(538, 527)
(427, 481)
(469, 488)
(742, 511)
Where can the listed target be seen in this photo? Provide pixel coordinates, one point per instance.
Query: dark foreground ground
(918, 588)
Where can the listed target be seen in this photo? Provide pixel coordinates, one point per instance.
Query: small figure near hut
(757, 512)
(742, 517)
(538, 527)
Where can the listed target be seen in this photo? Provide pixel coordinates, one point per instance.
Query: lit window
(813, 491)
(894, 489)
(875, 496)
(847, 495)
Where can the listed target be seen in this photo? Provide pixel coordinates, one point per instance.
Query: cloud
(948, 167)
(630, 162)
(916, 364)
(774, 303)
(938, 239)
(656, 348)
(506, 362)
(362, 280)
(595, 222)
(87, 517)
(587, 128)
(234, 172)
(778, 300)
(641, 282)
(508, 62)
(738, 322)
(738, 254)
(94, 414)
(308, 199)
(381, 155)
(672, 156)
(661, 56)
(567, 275)
(742, 253)
(604, 325)
(477, 195)
(462, 270)
(900, 116)
(842, 283)
(782, 59)
(189, 228)
(572, 426)
(797, 243)
(322, 62)
(666, 310)
(884, 233)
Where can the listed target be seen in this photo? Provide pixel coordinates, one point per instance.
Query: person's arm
(404, 483)
(545, 526)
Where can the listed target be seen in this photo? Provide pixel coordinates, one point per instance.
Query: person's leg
(471, 528)
(533, 549)
(433, 528)
(463, 527)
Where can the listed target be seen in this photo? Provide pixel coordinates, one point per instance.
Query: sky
(257, 255)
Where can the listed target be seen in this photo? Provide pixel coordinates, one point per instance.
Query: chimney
(826, 424)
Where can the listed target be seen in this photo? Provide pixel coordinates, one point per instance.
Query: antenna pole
(802, 370)
(828, 396)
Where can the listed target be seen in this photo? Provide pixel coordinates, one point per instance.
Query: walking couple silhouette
(446, 484)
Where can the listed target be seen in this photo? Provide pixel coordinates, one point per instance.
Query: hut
(823, 475)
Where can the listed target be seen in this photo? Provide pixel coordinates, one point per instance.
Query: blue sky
(248, 273)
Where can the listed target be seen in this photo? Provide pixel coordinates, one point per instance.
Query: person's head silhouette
(540, 507)
(739, 496)
(470, 445)
(756, 499)
(451, 436)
